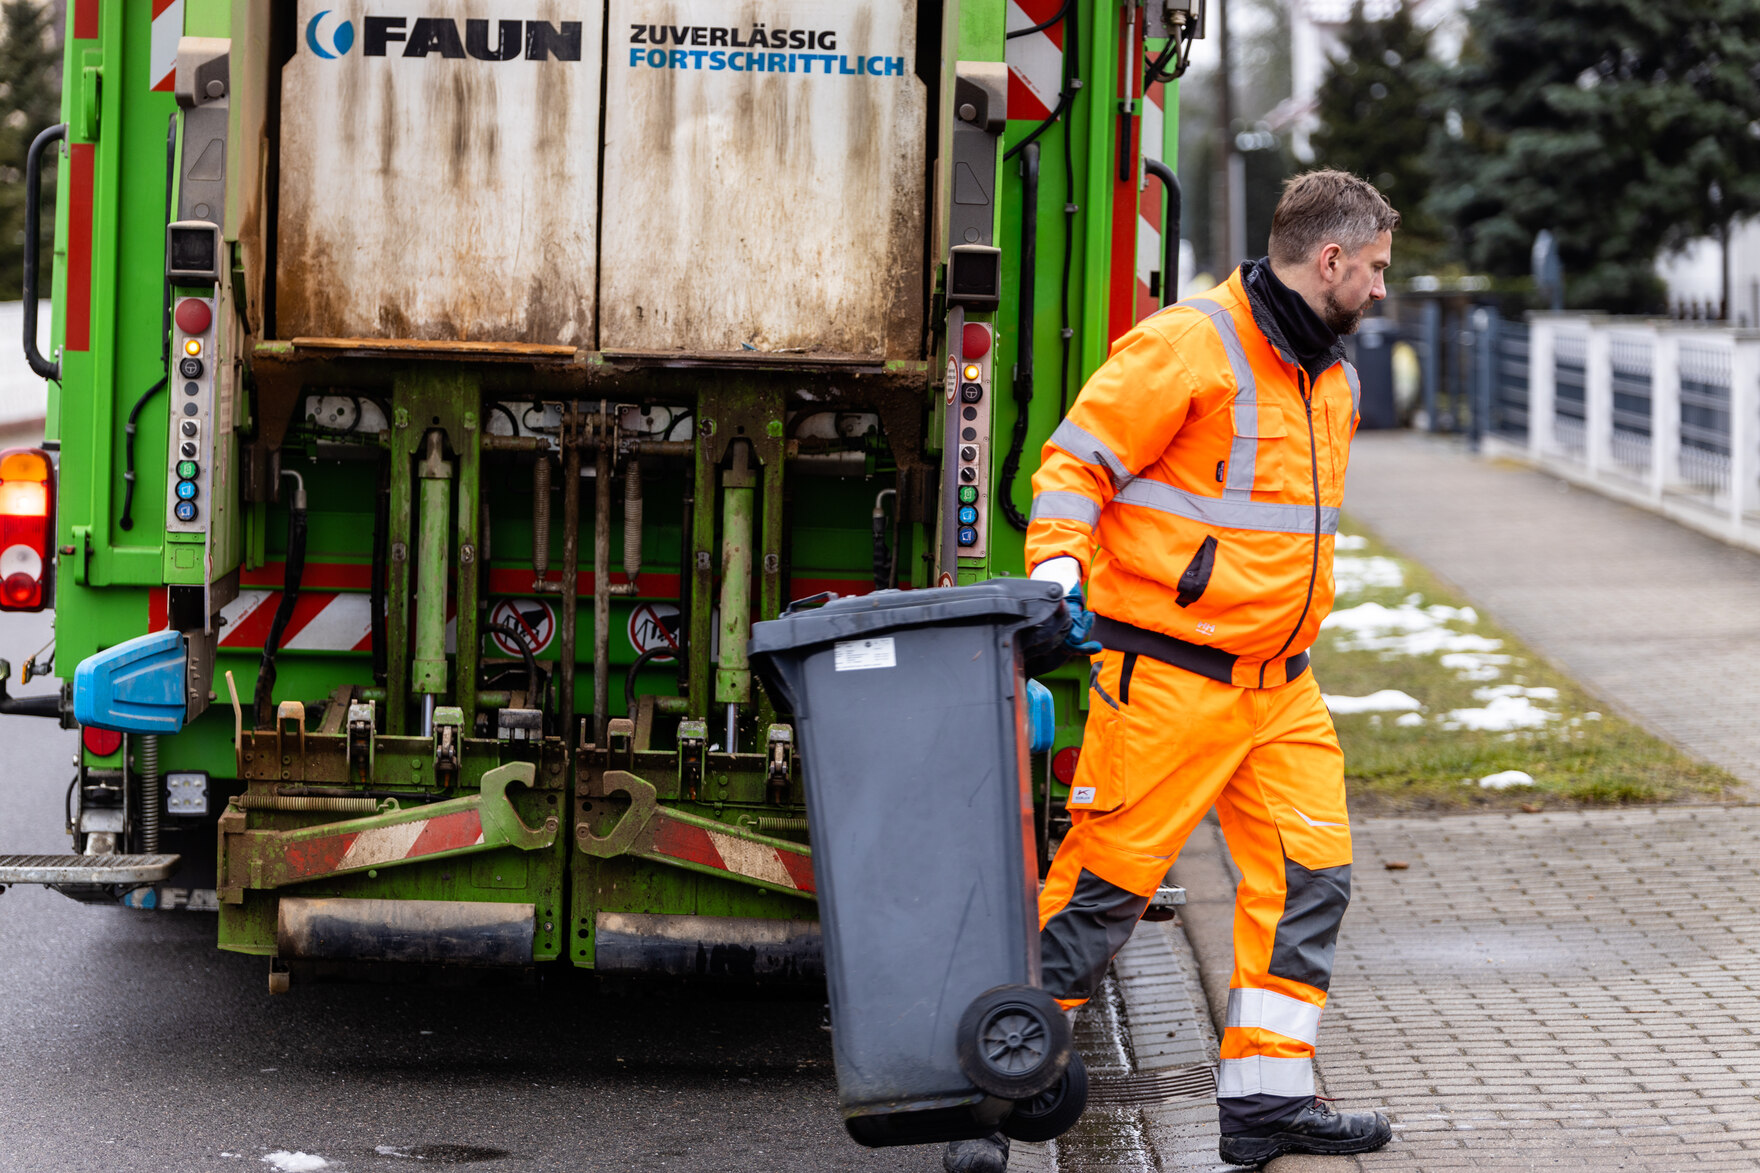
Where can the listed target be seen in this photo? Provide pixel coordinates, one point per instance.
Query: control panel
(972, 452)
(189, 487)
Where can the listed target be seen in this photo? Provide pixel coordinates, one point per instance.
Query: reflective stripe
(1080, 443)
(1268, 516)
(1261, 1075)
(1243, 453)
(1058, 505)
(1269, 1010)
(1350, 376)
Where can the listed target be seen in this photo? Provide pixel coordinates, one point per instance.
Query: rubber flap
(134, 687)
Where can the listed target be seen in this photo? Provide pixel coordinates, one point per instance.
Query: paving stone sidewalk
(1553, 991)
(1661, 622)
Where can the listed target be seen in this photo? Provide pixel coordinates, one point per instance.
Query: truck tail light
(100, 743)
(27, 528)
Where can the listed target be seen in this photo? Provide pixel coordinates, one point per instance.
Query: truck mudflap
(398, 835)
(643, 828)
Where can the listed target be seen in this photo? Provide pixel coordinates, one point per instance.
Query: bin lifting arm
(458, 826)
(644, 828)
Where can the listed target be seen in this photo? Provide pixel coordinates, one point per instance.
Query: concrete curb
(1207, 873)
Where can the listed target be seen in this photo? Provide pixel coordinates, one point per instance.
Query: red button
(193, 316)
(976, 343)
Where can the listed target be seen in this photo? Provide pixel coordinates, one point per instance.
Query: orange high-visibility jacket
(1198, 479)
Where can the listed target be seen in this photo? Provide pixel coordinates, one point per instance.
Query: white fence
(1660, 413)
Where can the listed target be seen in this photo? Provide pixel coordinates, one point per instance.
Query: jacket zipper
(1306, 389)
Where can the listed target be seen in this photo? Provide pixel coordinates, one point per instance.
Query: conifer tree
(30, 101)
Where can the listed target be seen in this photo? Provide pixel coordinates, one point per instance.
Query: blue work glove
(1081, 622)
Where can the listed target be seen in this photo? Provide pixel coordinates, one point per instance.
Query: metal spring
(287, 802)
(147, 758)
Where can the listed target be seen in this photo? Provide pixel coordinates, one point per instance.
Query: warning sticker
(654, 627)
(532, 618)
(852, 655)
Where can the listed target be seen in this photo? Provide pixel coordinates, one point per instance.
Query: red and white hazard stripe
(691, 843)
(1150, 204)
(322, 621)
(162, 54)
(1035, 62)
(352, 851)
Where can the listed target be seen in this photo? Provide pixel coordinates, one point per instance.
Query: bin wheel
(1052, 1113)
(1014, 1042)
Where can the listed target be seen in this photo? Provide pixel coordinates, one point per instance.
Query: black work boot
(1315, 1129)
(987, 1154)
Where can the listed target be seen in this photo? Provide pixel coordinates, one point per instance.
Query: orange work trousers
(1162, 746)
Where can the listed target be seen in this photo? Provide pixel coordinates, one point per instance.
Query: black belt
(1211, 662)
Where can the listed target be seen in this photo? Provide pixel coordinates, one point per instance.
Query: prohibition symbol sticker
(532, 618)
(654, 626)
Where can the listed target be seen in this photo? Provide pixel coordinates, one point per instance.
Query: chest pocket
(1257, 456)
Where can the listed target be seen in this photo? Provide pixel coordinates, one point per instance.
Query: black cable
(126, 521)
(1039, 28)
(1023, 377)
(525, 651)
(629, 679)
(294, 570)
(500, 407)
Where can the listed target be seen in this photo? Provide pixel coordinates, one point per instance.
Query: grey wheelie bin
(911, 714)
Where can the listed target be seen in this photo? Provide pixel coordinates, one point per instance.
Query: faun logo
(386, 36)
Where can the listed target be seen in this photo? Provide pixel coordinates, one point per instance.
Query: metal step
(86, 869)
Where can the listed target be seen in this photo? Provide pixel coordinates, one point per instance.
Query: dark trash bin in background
(1372, 350)
(910, 709)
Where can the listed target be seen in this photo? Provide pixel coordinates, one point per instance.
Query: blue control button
(968, 515)
(968, 536)
(186, 490)
(186, 511)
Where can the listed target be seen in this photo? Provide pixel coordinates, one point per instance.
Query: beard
(1342, 319)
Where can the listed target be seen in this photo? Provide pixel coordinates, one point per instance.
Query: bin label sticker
(1081, 794)
(852, 655)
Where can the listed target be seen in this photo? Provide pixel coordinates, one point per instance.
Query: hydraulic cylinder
(733, 676)
(428, 672)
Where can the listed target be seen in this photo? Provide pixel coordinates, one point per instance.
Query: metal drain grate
(1155, 1087)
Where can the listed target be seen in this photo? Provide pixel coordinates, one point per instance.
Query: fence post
(1432, 369)
(1598, 400)
(1665, 410)
(1484, 372)
(1744, 429)
(1540, 330)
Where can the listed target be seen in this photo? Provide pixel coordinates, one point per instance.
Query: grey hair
(1325, 207)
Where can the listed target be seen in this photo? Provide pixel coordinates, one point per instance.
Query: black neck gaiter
(1309, 338)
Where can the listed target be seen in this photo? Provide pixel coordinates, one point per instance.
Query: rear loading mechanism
(433, 614)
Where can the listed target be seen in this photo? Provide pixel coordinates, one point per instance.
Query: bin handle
(810, 602)
(33, 200)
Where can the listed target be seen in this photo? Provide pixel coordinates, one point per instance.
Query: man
(1195, 488)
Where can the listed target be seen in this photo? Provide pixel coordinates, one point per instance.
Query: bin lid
(1007, 601)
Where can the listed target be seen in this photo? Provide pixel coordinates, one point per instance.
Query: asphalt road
(130, 1044)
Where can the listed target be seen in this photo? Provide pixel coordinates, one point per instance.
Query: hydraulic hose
(1023, 372)
(295, 568)
(1169, 225)
(629, 678)
(376, 593)
(533, 696)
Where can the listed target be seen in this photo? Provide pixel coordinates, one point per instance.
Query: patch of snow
(1505, 779)
(391, 1150)
(1591, 716)
(1475, 665)
(1501, 715)
(286, 1162)
(1349, 542)
(1388, 700)
(1409, 719)
(1355, 575)
(1407, 630)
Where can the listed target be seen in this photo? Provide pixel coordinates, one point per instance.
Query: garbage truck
(440, 390)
